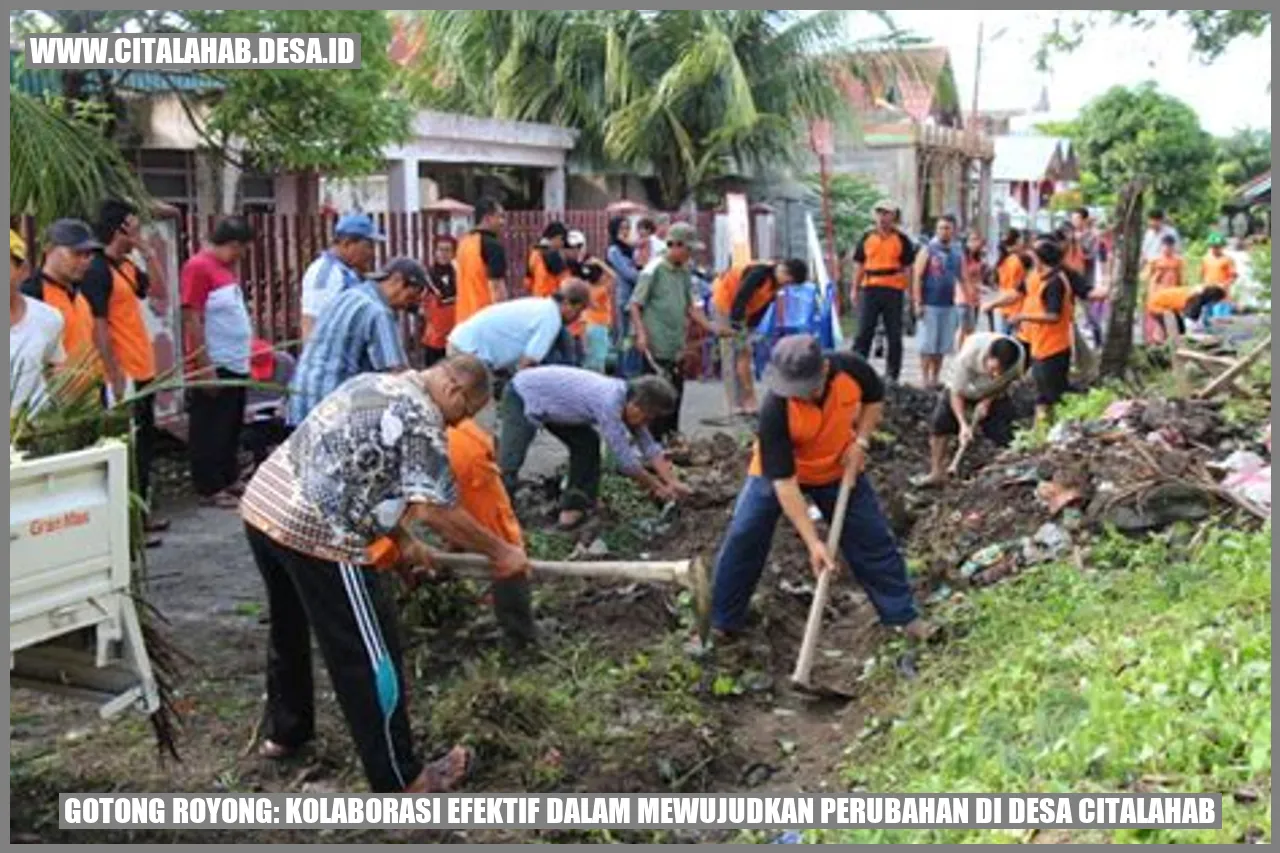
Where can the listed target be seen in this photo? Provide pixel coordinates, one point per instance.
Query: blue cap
(359, 225)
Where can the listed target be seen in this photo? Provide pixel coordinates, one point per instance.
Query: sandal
(221, 500)
(446, 773)
(273, 751)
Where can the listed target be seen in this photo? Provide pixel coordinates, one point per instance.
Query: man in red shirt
(219, 339)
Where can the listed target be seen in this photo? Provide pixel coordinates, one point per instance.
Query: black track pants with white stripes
(353, 615)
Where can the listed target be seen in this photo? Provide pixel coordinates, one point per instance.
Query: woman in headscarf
(620, 256)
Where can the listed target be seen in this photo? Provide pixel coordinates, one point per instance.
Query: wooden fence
(285, 244)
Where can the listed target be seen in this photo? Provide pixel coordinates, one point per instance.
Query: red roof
(907, 79)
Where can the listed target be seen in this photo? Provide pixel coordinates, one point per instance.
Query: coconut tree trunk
(1124, 288)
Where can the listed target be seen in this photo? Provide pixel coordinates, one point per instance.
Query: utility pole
(977, 77)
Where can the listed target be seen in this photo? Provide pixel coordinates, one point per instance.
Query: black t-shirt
(495, 257)
(442, 279)
(553, 260)
(98, 281)
(777, 454)
(588, 269)
(1055, 295)
(755, 277)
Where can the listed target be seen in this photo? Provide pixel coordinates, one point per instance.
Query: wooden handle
(813, 625)
(655, 571)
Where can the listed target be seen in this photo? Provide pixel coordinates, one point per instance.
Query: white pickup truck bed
(73, 626)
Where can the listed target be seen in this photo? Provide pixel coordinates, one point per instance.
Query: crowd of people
(374, 449)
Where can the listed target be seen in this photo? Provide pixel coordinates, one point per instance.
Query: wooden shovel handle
(813, 625)
(652, 571)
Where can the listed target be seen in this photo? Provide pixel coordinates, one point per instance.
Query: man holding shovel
(978, 381)
(815, 422)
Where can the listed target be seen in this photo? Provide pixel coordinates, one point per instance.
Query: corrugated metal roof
(41, 81)
(1024, 158)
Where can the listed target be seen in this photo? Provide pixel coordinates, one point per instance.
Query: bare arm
(637, 323)
(102, 341)
(797, 511)
(193, 329)
(917, 279)
(308, 324)
(498, 289)
(1006, 297)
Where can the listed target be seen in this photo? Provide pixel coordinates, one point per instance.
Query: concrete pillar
(553, 189)
(403, 189)
(984, 196)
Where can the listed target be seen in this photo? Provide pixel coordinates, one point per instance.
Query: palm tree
(688, 95)
(61, 165)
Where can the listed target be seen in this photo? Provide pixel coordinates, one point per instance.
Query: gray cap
(683, 232)
(413, 273)
(796, 367)
(75, 234)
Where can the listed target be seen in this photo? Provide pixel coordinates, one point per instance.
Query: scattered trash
(757, 774)
(983, 559)
(1242, 461)
(598, 548)
(1120, 410)
(1048, 543)
(789, 837)
(1252, 486)
(1163, 505)
(1060, 432)
(786, 747)
(1056, 497)
(941, 593)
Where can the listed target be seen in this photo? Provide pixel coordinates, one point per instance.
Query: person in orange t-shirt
(1218, 270)
(439, 302)
(545, 269)
(71, 245)
(1164, 272)
(593, 327)
(115, 289)
(473, 461)
(482, 263)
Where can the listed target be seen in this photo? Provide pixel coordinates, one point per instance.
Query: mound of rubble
(1143, 466)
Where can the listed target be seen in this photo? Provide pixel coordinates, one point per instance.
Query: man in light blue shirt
(358, 333)
(518, 333)
(338, 267)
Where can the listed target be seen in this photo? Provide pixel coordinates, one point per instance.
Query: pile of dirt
(1142, 467)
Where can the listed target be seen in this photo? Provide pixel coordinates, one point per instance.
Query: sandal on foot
(273, 751)
(446, 773)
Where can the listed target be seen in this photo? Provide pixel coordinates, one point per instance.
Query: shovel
(954, 467)
(690, 574)
(800, 677)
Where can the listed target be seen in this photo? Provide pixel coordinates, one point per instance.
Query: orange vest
(77, 332)
(475, 470)
(473, 277)
(1169, 300)
(1217, 271)
(1047, 339)
(130, 340)
(1073, 258)
(820, 434)
(540, 280)
(1011, 273)
(600, 309)
(885, 260)
(725, 291)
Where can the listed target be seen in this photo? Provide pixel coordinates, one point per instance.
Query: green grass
(1074, 407)
(1150, 671)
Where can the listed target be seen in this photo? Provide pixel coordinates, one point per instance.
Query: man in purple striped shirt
(573, 404)
(357, 333)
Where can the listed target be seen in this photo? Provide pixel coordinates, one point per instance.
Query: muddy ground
(611, 702)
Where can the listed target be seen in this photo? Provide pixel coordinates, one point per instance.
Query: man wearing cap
(882, 264)
(219, 340)
(545, 269)
(71, 247)
(35, 335)
(357, 333)
(661, 306)
(815, 422)
(520, 332)
(1217, 269)
(338, 267)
